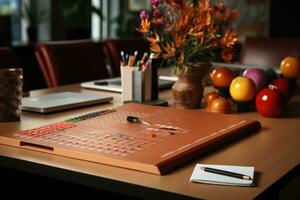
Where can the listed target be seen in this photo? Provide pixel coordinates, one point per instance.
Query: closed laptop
(114, 84)
(62, 101)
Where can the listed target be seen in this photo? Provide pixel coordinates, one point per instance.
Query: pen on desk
(225, 173)
(134, 119)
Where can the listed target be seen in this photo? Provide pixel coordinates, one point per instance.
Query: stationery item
(135, 55)
(136, 80)
(62, 101)
(134, 119)
(226, 173)
(106, 136)
(223, 175)
(144, 57)
(122, 58)
(131, 61)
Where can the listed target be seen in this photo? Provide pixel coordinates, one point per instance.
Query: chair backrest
(268, 51)
(113, 48)
(67, 62)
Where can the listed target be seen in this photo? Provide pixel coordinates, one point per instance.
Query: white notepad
(202, 176)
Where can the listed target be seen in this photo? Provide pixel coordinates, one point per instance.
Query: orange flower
(195, 31)
(144, 26)
(154, 46)
(169, 50)
(183, 22)
(229, 38)
(208, 19)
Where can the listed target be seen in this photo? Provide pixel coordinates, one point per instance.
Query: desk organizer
(136, 84)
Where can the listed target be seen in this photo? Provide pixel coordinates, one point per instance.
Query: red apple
(284, 86)
(270, 102)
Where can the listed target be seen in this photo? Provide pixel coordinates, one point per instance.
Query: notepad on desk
(201, 176)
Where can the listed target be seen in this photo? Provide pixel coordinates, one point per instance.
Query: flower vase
(188, 89)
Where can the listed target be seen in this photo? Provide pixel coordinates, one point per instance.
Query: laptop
(62, 101)
(114, 84)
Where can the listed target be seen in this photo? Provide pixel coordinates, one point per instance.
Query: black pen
(225, 173)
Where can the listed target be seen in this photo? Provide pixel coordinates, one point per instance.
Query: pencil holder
(136, 84)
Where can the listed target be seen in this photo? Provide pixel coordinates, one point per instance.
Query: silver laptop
(114, 84)
(62, 101)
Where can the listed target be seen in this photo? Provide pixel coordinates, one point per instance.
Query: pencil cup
(136, 85)
(11, 81)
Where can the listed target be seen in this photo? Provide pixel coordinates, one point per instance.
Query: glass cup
(11, 82)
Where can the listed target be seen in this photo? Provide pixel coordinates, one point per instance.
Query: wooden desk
(274, 151)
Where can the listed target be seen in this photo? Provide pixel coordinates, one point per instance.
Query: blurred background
(102, 19)
(24, 23)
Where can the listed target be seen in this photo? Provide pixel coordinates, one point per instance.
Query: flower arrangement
(183, 32)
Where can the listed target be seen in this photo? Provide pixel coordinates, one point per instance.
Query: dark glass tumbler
(11, 81)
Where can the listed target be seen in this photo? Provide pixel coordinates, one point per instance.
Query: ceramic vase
(188, 89)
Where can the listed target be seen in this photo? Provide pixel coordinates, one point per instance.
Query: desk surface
(273, 151)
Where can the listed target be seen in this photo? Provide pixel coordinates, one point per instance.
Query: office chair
(268, 52)
(67, 62)
(113, 48)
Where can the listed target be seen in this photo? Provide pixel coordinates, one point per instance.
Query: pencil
(123, 58)
(225, 173)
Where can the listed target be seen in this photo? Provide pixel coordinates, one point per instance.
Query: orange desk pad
(169, 137)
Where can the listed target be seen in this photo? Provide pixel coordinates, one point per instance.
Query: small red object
(151, 134)
(220, 105)
(285, 87)
(221, 77)
(209, 97)
(270, 102)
